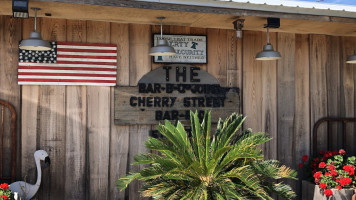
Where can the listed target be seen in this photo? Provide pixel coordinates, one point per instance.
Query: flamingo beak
(47, 162)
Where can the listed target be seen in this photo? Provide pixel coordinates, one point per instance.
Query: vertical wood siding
(75, 125)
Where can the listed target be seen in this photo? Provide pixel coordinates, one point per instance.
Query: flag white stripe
(67, 77)
(64, 83)
(85, 47)
(66, 65)
(67, 71)
(86, 59)
(85, 53)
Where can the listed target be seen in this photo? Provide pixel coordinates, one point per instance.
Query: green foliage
(226, 165)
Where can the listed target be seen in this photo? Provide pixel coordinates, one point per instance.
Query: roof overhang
(199, 13)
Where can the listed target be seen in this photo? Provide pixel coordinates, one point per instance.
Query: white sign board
(189, 49)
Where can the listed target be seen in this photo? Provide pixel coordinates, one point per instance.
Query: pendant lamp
(35, 41)
(352, 59)
(162, 48)
(268, 53)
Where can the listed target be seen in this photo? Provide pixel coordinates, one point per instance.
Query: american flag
(69, 63)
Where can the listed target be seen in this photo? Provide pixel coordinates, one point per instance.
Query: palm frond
(226, 165)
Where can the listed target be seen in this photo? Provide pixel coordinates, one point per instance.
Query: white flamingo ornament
(25, 190)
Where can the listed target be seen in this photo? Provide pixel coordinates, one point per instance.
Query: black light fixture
(162, 48)
(35, 41)
(20, 8)
(238, 25)
(352, 59)
(268, 52)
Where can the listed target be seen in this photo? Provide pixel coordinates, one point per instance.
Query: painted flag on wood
(69, 63)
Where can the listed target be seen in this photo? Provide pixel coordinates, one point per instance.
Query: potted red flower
(5, 192)
(333, 173)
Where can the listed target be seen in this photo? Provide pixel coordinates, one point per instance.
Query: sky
(344, 2)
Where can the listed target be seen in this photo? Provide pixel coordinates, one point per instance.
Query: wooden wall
(75, 124)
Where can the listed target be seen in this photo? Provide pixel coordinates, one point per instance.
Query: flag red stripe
(86, 44)
(65, 74)
(85, 56)
(86, 50)
(83, 62)
(65, 80)
(68, 68)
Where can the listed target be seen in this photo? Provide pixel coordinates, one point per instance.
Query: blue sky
(345, 2)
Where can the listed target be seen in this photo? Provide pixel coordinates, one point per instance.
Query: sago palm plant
(225, 165)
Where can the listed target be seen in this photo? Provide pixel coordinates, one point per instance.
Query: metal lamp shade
(268, 53)
(351, 59)
(162, 49)
(35, 43)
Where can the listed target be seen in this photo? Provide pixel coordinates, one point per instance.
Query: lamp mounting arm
(35, 9)
(268, 35)
(161, 20)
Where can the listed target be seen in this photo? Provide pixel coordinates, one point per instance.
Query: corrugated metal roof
(282, 6)
(301, 4)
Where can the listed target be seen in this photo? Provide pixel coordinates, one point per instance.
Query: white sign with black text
(189, 49)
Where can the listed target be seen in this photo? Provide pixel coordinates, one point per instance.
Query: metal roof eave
(291, 7)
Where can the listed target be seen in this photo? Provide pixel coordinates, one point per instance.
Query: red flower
(305, 158)
(322, 165)
(350, 169)
(345, 181)
(338, 187)
(333, 173)
(317, 175)
(342, 152)
(4, 197)
(313, 165)
(328, 192)
(4, 186)
(337, 180)
(335, 153)
(322, 185)
(331, 167)
(300, 165)
(321, 152)
(327, 174)
(316, 159)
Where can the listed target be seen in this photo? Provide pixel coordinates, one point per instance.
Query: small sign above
(189, 49)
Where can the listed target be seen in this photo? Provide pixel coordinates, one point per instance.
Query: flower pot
(311, 191)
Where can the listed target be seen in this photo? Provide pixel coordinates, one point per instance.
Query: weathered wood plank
(140, 44)
(252, 88)
(333, 87)
(233, 51)
(75, 169)
(138, 135)
(318, 90)
(286, 101)
(119, 135)
(10, 91)
(217, 54)
(52, 120)
(302, 102)
(140, 64)
(98, 123)
(348, 87)
(269, 101)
